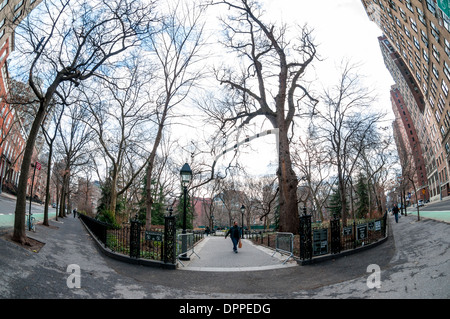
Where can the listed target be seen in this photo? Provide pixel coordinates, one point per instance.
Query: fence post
(335, 226)
(305, 237)
(135, 238)
(170, 233)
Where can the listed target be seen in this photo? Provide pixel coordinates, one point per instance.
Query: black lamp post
(186, 177)
(242, 212)
(31, 196)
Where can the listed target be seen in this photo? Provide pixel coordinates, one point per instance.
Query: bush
(108, 217)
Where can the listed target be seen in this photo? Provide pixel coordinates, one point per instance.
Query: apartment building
(409, 148)
(13, 132)
(416, 38)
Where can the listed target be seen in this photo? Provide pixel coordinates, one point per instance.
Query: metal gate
(305, 237)
(170, 243)
(135, 238)
(335, 226)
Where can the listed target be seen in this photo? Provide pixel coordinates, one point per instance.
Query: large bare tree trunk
(288, 183)
(19, 233)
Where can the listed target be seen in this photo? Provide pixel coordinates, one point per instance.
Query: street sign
(347, 231)
(320, 241)
(153, 236)
(361, 232)
(38, 166)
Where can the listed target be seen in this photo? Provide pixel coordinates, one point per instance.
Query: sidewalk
(216, 254)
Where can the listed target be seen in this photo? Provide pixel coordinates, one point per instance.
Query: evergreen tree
(362, 193)
(335, 203)
(157, 206)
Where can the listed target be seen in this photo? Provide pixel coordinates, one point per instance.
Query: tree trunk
(287, 179)
(19, 234)
(151, 162)
(113, 200)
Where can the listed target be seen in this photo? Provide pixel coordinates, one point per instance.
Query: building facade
(416, 40)
(13, 122)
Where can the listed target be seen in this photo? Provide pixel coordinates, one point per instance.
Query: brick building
(13, 120)
(416, 48)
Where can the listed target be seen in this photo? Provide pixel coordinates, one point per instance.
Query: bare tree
(344, 129)
(177, 51)
(312, 162)
(71, 43)
(120, 110)
(74, 138)
(56, 116)
(268, 83)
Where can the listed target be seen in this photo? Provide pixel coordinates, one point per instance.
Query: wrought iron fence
(328, 238)
(134, 241)
(137, 242)
(333, 237)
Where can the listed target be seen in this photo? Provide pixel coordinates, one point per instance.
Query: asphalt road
(8, 207)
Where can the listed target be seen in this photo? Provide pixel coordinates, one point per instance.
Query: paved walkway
(216, 254)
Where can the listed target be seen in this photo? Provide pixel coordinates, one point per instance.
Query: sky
(342, 30)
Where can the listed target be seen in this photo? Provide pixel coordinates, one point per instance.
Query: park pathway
(215, 253)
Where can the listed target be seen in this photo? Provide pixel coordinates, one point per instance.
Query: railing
(98, 228)
(150, 243)
(133, 241)
(284, 243)
(185, 246)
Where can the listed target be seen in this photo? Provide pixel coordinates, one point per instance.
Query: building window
(444, 88)
(407, 32)
(17, 15)
(416, 43)
(438, 117)
(447, 70)
(424, 37)
(431, 6)
(447, 47)
(436, 53)
(3, 4)
(18, 5)
(425, 55)
(434, 32)
(435, 71)
(413, 24)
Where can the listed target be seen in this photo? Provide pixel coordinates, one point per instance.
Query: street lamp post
(31, 192)
(186, 177)
(242, 212)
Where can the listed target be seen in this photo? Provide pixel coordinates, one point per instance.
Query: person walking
(235, 235)
(395, 212)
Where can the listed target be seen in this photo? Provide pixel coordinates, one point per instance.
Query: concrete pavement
(216, 254)
(413, 263)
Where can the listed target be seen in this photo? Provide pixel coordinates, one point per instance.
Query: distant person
(207, 230)
(74, 213)
(235, 235)
(395, 212)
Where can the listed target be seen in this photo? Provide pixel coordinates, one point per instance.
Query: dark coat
(234, 232)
